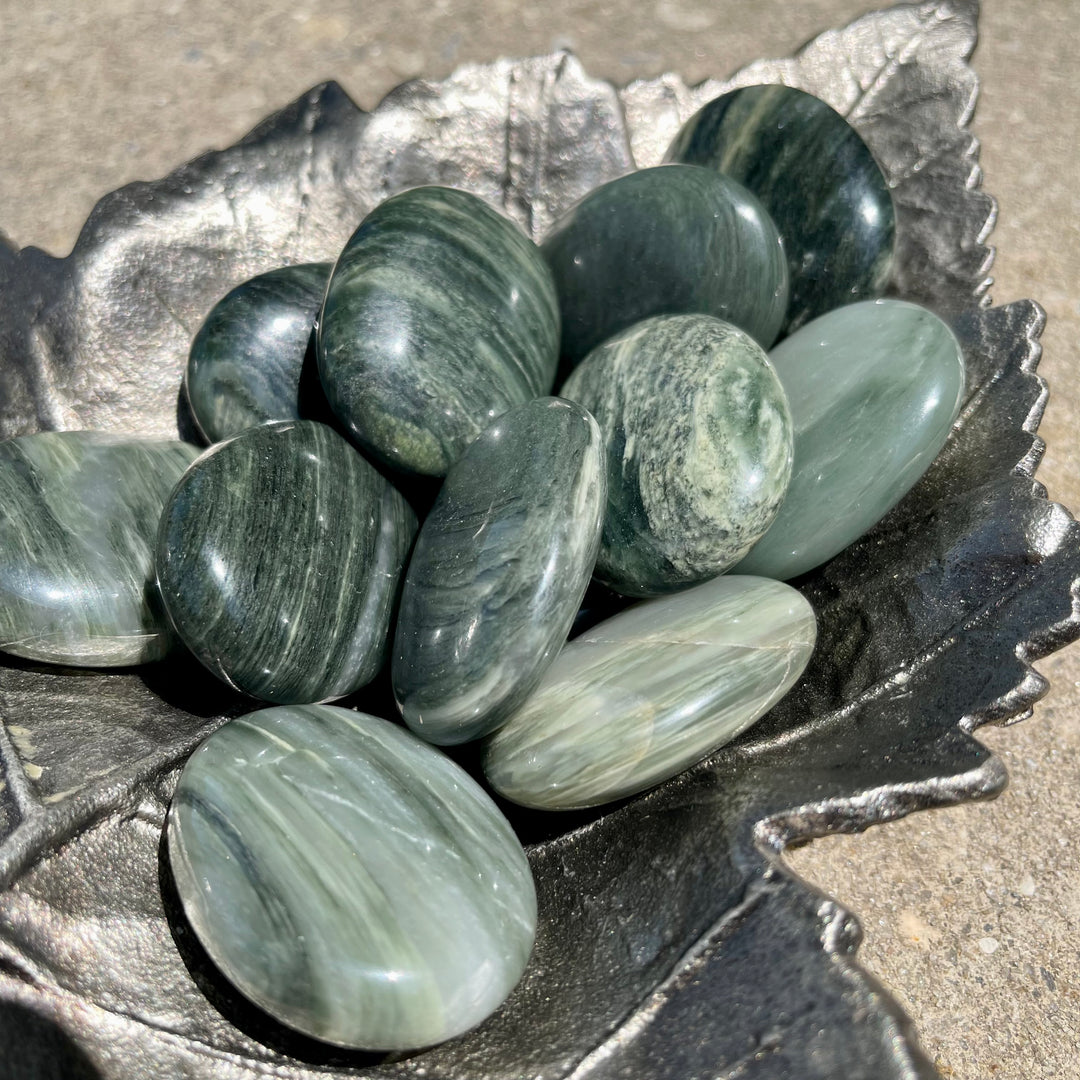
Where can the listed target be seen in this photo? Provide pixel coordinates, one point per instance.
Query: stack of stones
(390, 487)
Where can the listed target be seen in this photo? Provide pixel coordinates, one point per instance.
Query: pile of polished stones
(389, 487)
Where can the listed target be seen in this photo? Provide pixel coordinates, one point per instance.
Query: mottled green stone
(440, 314)
(279, 560)
(874, 389)
(349, 879)
(246, 360)
(499, 569)
(647, 693)
(668, 240)
(698, 447)
(816, 178)
(80, 516)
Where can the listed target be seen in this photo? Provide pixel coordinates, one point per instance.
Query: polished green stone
(668, 240)
(647, 693)
(246, 360)
(80, 515)
(818, 181)
(439, 316)
(279, 560)
(698, 446)
(874, 389)
(349, 879)
(500, 566)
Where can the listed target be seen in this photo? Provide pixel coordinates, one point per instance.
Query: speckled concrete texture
(971, 915)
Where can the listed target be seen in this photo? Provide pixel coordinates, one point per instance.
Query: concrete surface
(972, 915)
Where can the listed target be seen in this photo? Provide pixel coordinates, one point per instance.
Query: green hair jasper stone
(666, 241)
(349, 879)
(440, 314)
(816, 178)
(279, 558)
(77, 531)
(698, 444)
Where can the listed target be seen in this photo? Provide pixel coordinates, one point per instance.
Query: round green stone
(440, 315)
(666, 241)
(349, 879)
(818, 181)
(279, 558)
(246, 361)
(77, 532)
(698, 446)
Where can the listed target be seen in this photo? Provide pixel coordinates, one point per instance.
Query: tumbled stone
(439, 316)
(349, 879)
(698, 445)
(665, 241)
(77, 531)
(279, 561)
(499, 569)
(874, 389)
(246, 360)
(816, 178)
(645, 694)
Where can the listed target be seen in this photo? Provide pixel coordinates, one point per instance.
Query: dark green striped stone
(817, 179)
(500, 566)
(669, 240)
(245, 362)
(349, 879)
(279, 559)
(77, 530)
(440, 315)
(698, 442)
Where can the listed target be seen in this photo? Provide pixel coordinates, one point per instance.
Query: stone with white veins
(698, 443)
(351, 880)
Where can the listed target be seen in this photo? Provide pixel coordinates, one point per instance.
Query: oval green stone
(77, 531)
(499, 569)
(816, 178)
(279, 559)
(440, 314)
(665, 241)
(349, 879)
(874, 389)
(647, 693)
(246, 361)
(697, 442)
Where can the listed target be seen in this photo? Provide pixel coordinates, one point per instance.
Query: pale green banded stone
(349, 879)
(499, 569)
(698, 445)
(874, 389)
(440, 315)
(647, 693)
(77, 533)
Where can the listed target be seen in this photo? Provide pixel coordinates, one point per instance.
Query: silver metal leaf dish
(673, 941)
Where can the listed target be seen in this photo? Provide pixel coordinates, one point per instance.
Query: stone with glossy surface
(667, 240)
(279, 559)
(644, 695)
(77, 530)
(246, 360)
(440, 315)
(698, 447)
(350, 879)
(818, 181)
(499, 569)
(874, 389)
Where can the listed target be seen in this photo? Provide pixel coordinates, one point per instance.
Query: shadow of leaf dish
(673, 942)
